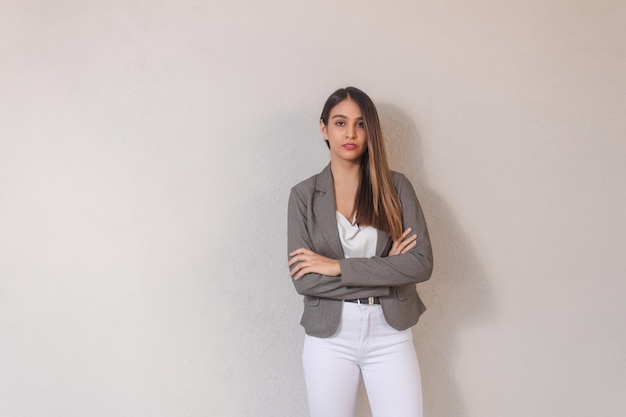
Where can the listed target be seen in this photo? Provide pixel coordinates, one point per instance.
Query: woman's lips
(350, 146)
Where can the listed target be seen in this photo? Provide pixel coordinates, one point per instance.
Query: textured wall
(147, 151)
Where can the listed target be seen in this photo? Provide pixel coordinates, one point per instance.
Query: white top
(357, 242)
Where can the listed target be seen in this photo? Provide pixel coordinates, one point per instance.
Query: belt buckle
(370, 301)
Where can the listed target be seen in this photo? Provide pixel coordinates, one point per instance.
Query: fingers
(303, 265)
(299, 271)
(300, 274)
(301, 259)
(300, 255)
(297, 255)
(301, 251)
(409, 246)
(409, 240)
(404, 243)
(405, 233)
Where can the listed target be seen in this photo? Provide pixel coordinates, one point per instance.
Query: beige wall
(147, 151)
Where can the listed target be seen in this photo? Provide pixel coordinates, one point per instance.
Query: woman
(358, 243)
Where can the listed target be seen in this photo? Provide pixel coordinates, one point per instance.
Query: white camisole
(357, 242)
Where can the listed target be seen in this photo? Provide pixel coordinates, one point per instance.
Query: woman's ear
(324, 129)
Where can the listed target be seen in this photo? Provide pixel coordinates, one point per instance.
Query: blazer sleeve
(319, 285)
(409, 268)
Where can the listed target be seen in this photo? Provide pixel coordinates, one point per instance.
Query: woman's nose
(351, 132)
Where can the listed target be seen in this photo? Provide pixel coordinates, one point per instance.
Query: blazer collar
(324, 181)
(326, 213)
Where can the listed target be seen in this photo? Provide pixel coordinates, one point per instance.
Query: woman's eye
(339, 123)
(360, 124)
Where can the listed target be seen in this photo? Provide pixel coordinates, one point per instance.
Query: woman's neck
(345, 172)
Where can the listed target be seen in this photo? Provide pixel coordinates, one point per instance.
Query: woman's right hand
(307, 262)
(404, 243)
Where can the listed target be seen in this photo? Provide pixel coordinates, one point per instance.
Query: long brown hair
(377, 202)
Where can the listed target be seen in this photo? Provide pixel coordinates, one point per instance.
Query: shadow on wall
(458, 295)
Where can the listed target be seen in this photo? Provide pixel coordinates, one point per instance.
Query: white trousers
(363, 345)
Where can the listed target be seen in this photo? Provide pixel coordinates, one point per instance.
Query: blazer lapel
(326, 212)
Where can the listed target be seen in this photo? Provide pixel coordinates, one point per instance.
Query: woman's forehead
(346, 108)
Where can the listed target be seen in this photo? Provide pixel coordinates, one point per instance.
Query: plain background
(148, 148)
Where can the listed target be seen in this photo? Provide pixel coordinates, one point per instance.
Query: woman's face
(345, 131)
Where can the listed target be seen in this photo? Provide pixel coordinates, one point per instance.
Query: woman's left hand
(404, 243)
(311, 262)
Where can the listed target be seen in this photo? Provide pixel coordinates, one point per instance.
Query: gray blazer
(312, 223)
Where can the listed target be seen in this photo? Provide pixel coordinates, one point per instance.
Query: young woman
(358, 244)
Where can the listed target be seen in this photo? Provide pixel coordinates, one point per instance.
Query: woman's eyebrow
(341, 116)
